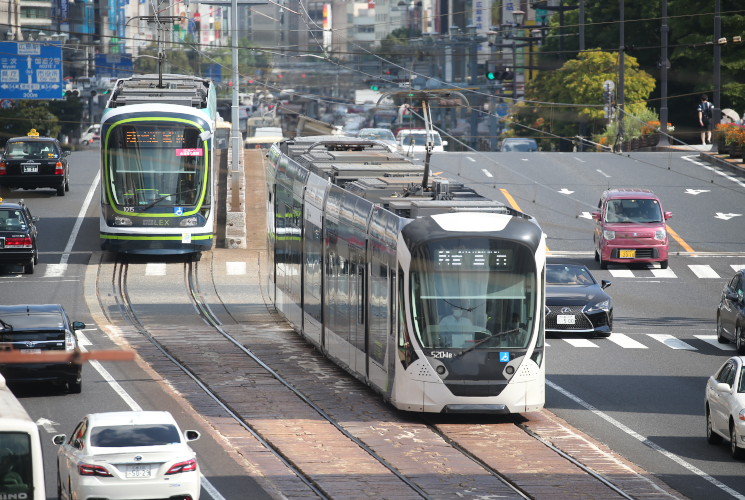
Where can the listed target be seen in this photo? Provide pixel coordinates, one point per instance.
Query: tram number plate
(30, 169)
(627, 254)
(138, 471)
(566, 319)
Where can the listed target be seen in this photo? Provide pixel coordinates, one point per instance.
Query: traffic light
(491, 74)
(374, 86)
(72, 93)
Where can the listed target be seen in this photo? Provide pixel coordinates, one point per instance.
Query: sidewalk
(709, 154)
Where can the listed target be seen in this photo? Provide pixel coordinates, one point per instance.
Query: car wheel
(75, 387)
(597, 257)
(603, 264)
(29, 267)
(36, 257)
(739, 340)
(720, 334)
(61, 190)
(736, 451)
(85, 143)
(59, 485)
(711, 436)
(67, 185)
(663, 264)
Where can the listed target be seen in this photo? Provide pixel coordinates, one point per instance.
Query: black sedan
(576, 302)
(32, 162)
(731, 312)
(18, 236)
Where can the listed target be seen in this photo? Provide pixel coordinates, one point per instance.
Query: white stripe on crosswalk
(580, 343)
(737, 267)
(235, 268)
(703, 271)
(625, 341)
(663, 273)
(671, 342)
(712, 339)
(55, 270)
(621, 273)
(155, 269)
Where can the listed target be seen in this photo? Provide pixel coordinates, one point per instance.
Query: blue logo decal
(178, 210)
(504, 357)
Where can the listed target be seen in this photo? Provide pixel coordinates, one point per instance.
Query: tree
(578, 86)
(25, 116)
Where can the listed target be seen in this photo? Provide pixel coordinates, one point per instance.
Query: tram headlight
(122, 221)
(188, 222)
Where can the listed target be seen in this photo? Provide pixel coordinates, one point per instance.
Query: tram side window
(15, 464)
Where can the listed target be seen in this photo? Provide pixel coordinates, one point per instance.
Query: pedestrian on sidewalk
(705, 112)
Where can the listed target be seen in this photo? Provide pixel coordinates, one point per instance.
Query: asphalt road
(640, 391)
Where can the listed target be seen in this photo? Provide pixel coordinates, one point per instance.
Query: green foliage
(633, 126)
(27, 115)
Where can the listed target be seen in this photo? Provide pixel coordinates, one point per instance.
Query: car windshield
(520, 146)
(559, 274)
(32, 149)
(11, 220)
(420, 140)
(633, 210)
(381, 135)
(121, 436)
(16, 469)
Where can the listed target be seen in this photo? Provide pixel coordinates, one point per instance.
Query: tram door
(357, 309)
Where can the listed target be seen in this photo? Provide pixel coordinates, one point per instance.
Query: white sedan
(725, 406)
(127, 455)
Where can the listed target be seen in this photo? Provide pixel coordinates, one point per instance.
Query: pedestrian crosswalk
(701, 271)
(646, 341)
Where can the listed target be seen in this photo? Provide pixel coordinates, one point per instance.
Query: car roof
(30, 138)
(130, 418)
(629, 193)
(12, 204)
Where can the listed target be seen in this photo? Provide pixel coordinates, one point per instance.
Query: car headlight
(188, 222)
(609, 235)
(599, 306)
(122, 221)
(741, 415)
(660, 235)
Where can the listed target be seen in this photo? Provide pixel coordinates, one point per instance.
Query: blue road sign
(114, 65)
(31, 70)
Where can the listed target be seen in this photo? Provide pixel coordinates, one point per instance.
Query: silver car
(725, 406)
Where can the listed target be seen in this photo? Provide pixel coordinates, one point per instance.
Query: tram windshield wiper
(165, 196)
(485, 339)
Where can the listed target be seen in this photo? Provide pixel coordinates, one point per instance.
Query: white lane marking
(586, 215)
(602, 173)
(703, 271)
(737, 267)
(580, 160)
(155, 269)
(694, 192)
(663, 273)
(471, 159)
(671, 342)
(712, 339)
(565, 191)
(621, 273)
(82, 339)
(47, 425)
(715, 170)
(79, 221)
(55, 270)
(235, 268)
(486, 172)
(525, 159)
(580, 343)
(726, 216)
(208, 487)
(646, 442)
(626, 342)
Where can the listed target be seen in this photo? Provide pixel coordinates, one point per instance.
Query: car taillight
(188, 466)
(3, 168)
(69, 341)
(24, 242)
(93, 470)
(59, 169)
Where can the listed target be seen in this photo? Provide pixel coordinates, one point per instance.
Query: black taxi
(32, 162)
(18, 236)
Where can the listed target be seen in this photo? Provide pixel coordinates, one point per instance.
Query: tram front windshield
(155, 164)
(473, 293)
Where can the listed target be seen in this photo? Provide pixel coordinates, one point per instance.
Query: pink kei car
(630, 228)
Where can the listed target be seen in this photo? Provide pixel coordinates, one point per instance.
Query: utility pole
(621, 76)
(664, 63)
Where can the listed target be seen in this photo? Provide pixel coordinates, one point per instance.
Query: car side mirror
(734, 297)
(668, 215)
(34, 218)
(59, 439)
(78, 325)
(192, 435)
(605, 284)
(722, 387)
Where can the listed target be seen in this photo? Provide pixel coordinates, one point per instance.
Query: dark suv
(18, 236)
(40, 329)
(34, 162)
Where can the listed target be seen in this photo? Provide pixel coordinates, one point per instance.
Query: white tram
(433, 298)
(158, 170)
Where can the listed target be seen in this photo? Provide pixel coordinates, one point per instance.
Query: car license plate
(30, 169)
(137, 471)
(627, 254)
(566, 319)
(31, 351)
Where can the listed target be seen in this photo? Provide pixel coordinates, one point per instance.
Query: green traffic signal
(374, 86)
(491, 75)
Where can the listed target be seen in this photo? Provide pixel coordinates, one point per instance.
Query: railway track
(327, 435)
